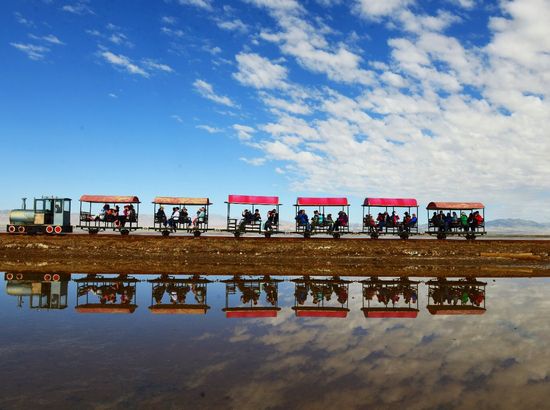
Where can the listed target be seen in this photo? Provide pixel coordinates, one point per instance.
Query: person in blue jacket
(303, 220)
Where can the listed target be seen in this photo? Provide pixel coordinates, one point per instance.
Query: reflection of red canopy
(390, 313)
(101, 308)
(110, 199)
(170, 200)
(394, 202)
(455, 310)
(253, 200)
(251, 312)
(322, 201)
(170, 309)
(455, 205)
(314, 311)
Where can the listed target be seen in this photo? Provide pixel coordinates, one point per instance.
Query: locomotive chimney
(24, 203)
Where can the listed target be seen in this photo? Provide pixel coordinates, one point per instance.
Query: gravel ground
(284, 256)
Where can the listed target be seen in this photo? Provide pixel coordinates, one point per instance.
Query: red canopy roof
(110, 199)
(455, 205)
(305, 201)
(456, 310)
(253, 200)
(307, 311)
(251, 312)
(170, 200)
(390, 313)
(404, 202)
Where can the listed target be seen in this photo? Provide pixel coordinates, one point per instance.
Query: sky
(436, 100)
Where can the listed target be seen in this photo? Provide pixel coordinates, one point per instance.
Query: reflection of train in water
(42, 291)
(259, 214)
(251, 297)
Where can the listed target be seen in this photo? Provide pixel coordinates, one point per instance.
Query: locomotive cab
(49, 215)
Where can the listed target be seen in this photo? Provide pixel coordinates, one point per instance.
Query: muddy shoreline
(278, 256)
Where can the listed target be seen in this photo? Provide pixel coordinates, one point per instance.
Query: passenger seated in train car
(381, 219)
(301, 293)
(341, 293)
(394, 219)
(341, 221)
(409, 295)
(303, 220)
(316, 220)
(200, 218)
(454, 220)
(369, 222)
(464, 221)
(477, 221)
(247, 219)
(184, 216)
(412, 222)
(132, 217)
(161, 216)
(269, 222)
(447, 222)
(158, 292)
(328, 220)
(174, 218)
(257, 216)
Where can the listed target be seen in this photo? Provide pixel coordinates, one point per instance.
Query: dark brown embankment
(284, 256)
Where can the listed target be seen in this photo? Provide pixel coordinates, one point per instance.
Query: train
(51, 215)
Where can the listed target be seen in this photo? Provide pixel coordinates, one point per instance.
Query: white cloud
(34, 52)
(171, 32)
(22, 20)
(152, 65)
(207, 91)
(244, 132)
(113, 95)
(253, 161)
(176, 118)
(375, 9)
(437, 106)
(78, 7)
(203, 4)
(170, 20)
(259, 72)
(233, 25)
(121, 61)
(209, 129)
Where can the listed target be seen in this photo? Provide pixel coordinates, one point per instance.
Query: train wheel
(124, 232)
(196, 234)
(374, 235)
(19, 276)
(441, 236)
(56, 277)
(9, 276)
(267, 234)
(307, 235)
(404, 235)
(58, 229)
(49, 229)
(237, 234)
(21, 229)
(336, 235)
(12, 229)
(47, 277)
(165, 233)
(93, 231)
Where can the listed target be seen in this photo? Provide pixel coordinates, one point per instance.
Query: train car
(93, 219)
(49, 215)
(99, 294)
(456, 219)
(322, 222)
(251, 221)
(386, 225)
(329, 297)
(186, 221)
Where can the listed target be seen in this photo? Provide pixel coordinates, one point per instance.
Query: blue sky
(438, 100)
